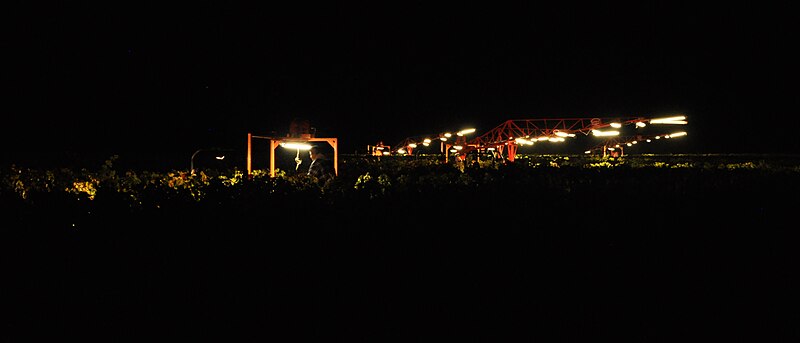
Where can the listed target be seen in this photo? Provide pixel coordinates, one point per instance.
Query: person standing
(320, 165)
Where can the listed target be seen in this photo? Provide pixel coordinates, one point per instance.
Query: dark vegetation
(651, 248)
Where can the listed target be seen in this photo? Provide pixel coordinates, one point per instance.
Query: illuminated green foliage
(366, 178)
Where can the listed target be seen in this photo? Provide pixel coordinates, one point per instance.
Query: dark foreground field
(555, 254)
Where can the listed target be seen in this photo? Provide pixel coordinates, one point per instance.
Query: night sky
(152, 83)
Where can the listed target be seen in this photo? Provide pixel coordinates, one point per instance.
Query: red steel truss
(508, 135)
(504, 135)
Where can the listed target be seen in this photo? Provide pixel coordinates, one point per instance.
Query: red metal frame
(504, 135)
(276, 141)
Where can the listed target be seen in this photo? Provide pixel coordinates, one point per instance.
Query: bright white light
(412, 145)
(669, 120)
(640, 124)
(629, 144)
(300, 146)
(448, 134)
(563, 134)
(587, 152)
(604, 133)
(458, 147)
(616, 125)
(556, 139)
(220, 157)
(466, 131)
(426, 140)
(443, 139)
(678, 134)
(426, 143)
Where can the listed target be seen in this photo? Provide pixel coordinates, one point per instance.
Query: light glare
(299, 146)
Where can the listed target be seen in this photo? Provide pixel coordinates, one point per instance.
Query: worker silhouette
(321, 167)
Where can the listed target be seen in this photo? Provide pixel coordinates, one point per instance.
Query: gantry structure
(299, 143)
(509, 135)
(300, 135)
